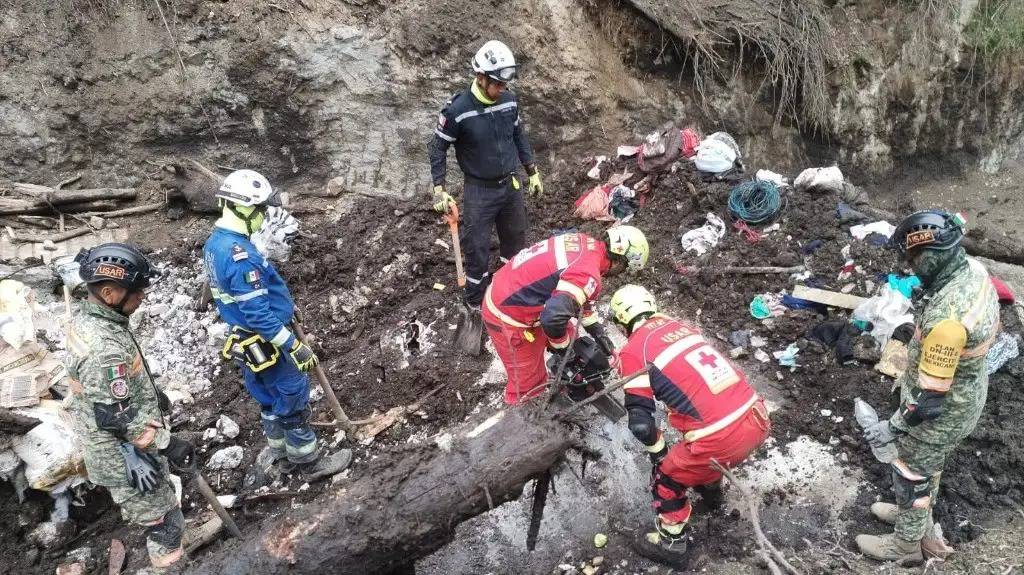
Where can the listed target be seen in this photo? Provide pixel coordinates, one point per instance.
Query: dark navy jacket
(489, 139)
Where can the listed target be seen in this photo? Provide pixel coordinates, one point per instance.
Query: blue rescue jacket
(248, 291)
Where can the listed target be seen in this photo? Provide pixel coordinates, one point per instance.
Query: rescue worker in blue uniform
(253, 298)
(483, 123)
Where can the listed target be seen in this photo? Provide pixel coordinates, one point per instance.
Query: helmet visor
(504, 74)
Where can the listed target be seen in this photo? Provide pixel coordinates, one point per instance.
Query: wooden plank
(829, 298)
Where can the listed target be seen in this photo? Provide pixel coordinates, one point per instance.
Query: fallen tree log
(59, 197)
(405, 506)
(15, 206)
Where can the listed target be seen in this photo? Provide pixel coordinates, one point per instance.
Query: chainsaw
(586, 372)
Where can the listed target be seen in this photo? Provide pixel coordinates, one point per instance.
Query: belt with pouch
(494, 183)
(251, 349)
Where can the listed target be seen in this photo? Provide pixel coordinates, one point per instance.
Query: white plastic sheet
(886, 311)
(702, 239)
(819, 179)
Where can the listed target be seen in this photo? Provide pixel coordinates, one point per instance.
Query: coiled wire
(755, 202)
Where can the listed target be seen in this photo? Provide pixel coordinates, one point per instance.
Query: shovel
(470, 329)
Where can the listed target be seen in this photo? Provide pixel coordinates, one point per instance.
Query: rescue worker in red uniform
(534, 299)
(708, 400)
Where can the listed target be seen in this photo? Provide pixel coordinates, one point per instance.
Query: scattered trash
(846, 271)
(623, 203)
(770, 176)
(767, 305)
(1003, 291)
(829, 298)
(826, 412)
(52, 450)
(439, 286)
(755, 202)
(660, 149)
(787, 357)
(880, 227)
(593, 204)
(762, 356)
(797, 303)
(904, 284)
(848, 215)
(885, 312)
(1003, 350)
(442, 243)
(718, 154)
(627, 151)
(810, 247)
(702, 239)
(740, 338)
(738, 352)
(757, 341)
(819, 180)
(837, 334)
(595, 172)
(600, 540)
(751, 235)
(227, 458)
(893, 361)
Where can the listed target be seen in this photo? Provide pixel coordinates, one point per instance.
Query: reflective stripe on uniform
(251, 295)
(300, 450)
(672, 351)
(282, 337)
(487, 110)
(640, 381)
(505, 319)
(475, 281)
(443, 136)
(721, 424)
(572, 289)
(561, 261)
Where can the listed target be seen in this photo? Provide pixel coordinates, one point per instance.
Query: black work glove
(142, 469)
(180, 453)
(600, 335)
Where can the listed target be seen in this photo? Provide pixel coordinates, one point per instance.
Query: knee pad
(169, 531)
(913, 492)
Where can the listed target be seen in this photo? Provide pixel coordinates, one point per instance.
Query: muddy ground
(384, 335)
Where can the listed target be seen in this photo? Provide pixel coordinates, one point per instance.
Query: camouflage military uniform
(106, 368)
(961, 301)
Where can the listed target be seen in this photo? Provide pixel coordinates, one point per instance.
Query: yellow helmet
(630, 244)
(631, 300)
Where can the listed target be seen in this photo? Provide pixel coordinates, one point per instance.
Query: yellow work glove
(442, 200)
(303, 357)
(534, 184)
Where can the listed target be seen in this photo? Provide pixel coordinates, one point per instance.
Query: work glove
(880, 434)
(303, 357)
(534, 184)
(442, 200)
(180, 453)
(141, 468)
(904, 333)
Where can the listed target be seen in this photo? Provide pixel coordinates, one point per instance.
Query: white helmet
(248, 188)
(495, 60)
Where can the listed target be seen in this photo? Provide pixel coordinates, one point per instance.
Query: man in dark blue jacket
(483, 124)
(253, 298)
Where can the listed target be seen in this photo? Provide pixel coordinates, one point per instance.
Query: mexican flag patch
(252, 276)
(118, 371)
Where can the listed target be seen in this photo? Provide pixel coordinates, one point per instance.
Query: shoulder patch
(119, 388)
(252, 276)
(238, 253)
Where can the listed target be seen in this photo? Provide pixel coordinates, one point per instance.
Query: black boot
(663, 546)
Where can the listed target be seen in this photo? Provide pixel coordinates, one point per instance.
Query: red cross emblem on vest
(708, 360)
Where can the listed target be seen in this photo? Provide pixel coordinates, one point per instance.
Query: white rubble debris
(227, 427)
(227, 458)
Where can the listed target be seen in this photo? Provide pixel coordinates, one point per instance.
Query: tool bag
(251, 349)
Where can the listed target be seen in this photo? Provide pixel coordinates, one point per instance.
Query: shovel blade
(469, 331)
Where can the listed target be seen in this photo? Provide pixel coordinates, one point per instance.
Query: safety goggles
(504, 74)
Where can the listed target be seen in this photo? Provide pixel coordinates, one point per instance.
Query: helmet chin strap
(253, 220)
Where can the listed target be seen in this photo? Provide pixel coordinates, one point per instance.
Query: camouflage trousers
(925, 460)
(147, 509)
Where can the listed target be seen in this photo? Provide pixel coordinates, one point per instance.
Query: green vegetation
(997, 28)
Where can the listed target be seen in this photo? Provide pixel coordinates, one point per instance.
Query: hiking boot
(885, 512)
(891, 548)
(664, 547)
(321, 468)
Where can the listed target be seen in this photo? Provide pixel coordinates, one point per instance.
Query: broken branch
(127, 211)
(766, 550)
(61, 197)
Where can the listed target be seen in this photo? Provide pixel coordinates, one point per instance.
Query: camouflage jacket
(964, 303)
(106, 369)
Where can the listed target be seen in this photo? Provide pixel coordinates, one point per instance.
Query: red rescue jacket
(703, 390)
(565, 264)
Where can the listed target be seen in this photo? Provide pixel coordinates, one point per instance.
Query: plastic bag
(702, 239)
(819, 180)
(886, 311)
(714, 155)
(52, 450)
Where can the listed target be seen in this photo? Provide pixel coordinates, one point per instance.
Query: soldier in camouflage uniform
(118, 409)
(942, 398)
